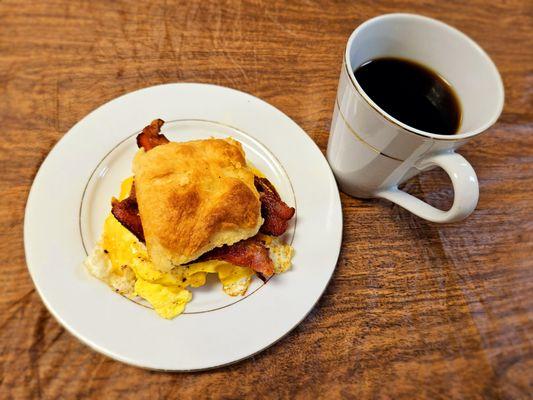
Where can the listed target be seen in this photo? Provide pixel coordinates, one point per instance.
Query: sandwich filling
(135, 257)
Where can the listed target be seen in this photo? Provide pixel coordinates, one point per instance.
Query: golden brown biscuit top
(194, 196)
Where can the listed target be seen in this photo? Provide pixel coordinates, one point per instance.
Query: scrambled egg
(122, 261)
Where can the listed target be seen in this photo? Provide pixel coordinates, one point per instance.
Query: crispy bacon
(150, 136)
(127, 213)
(274, 211)
(250, 253)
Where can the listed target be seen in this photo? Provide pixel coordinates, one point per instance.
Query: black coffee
(411, 93)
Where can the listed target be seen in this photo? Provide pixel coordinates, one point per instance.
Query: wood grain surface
(414, 310)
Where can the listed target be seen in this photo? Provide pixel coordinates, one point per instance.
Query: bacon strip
(150, 136)
(273, 210)
(127, 210)
(250, 253)
(127, 213)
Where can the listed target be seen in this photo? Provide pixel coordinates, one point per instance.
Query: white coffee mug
(371, 152)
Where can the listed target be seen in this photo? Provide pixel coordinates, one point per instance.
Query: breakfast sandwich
(190, 209)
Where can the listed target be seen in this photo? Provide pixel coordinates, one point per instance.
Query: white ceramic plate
(69, 201)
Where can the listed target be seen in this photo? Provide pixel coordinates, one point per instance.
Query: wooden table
(414, 309)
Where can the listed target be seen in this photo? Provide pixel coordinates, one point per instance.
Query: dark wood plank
(414, 309)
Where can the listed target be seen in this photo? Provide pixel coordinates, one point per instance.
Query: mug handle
(465, 187)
